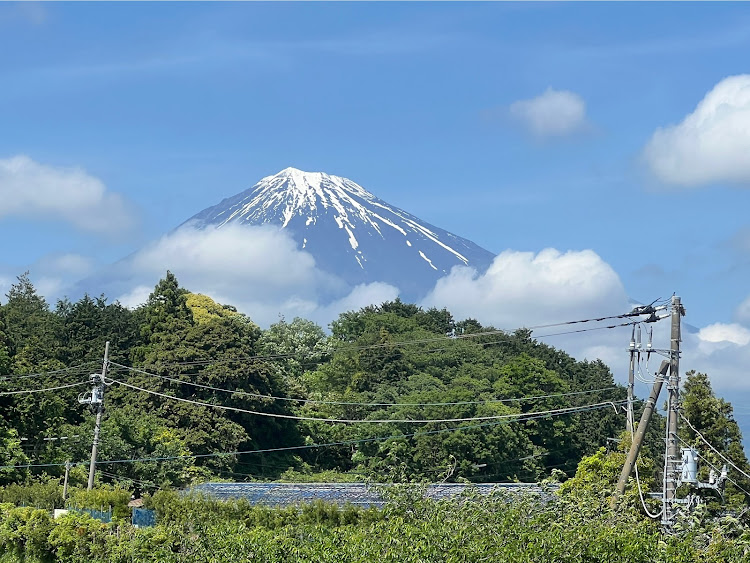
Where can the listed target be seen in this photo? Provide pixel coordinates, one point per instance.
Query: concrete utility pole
(65, 483)
(631, 385)
(97, 398)
(673, 458)
(635, 446)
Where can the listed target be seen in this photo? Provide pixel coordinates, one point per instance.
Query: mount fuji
(348, 231)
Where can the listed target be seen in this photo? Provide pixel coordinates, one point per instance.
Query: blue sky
(439, 108)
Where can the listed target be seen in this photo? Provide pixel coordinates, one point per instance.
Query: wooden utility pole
(97, 398)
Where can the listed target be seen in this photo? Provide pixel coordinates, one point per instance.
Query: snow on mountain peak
(322, 211)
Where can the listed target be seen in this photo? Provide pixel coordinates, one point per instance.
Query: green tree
(5, 359)
(202, 363)
(32, 343)
(88, 323)
(31, 328)
(295, 347)
(11, 454)
(130, 433)
(713, 417)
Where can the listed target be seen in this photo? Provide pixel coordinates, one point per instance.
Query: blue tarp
(143, 517)
(103, 515)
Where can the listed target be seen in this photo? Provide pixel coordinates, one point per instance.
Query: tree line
(180, 353)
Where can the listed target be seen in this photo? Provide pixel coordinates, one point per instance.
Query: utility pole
(673, 458)
(65, 483)
(97, 398)
(635, 446)
(631, 385)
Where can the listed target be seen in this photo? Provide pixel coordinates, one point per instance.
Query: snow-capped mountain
(350, 232)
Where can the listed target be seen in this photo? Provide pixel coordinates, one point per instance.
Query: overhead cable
(716, 468)
(78, 368)
(339, 420)
(347, 403)
(645, 310)
(585, 408)
(717, 452)
(43, 389)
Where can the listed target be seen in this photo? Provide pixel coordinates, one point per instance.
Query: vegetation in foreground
(576, 524)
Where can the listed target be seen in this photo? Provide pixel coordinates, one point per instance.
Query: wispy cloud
(685, 43)
(209, 51)
(29, 12)
(554, 113)
(51, 274)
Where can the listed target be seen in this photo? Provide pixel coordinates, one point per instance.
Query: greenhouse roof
(361, 494)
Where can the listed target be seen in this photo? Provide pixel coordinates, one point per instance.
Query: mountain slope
(350, 232)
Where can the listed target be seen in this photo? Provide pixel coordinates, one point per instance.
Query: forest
(197, 392)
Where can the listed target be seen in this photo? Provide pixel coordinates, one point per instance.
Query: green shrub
(44, 494)
(102, 499)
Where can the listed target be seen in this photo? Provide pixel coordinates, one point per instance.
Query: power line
(630, 323)
(346, 403)
(369, 440)
(43, 389)
(716, 468)
(653, 516)
(144, 484)
(81, 368)
(506, 332)
(337, 420)
(529, 416)
(717, 452)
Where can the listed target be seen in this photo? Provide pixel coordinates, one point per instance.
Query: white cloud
(711, 144)
(723, 353)
(38, 191)
(258, 269)
(5, 283)
(264, 258)
(552, 114)
(51, 274)
(361, 296)
(742, 313)
(731, 333)
(136, 296)
(524, 289)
